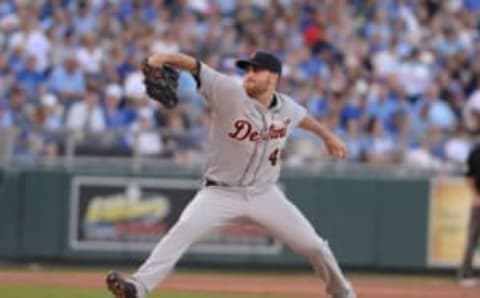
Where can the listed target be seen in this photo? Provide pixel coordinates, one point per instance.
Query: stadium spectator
(115, 116)
(30, 78)
(33, 40)
(431, 110)
(90, 55)
(68, 81)
(421, 157)
(18, 108)
(86, 115)
(5, 117)
(379, 147)
(142, 138)
(52, 112)
(458, 146)
(354, 140)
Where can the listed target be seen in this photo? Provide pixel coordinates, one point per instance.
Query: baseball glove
(161, 83)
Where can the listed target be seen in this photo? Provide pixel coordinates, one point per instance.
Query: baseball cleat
(119, 287)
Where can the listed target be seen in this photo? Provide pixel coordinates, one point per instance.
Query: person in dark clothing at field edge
(473, 175)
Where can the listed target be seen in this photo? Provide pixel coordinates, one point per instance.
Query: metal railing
(119, 149)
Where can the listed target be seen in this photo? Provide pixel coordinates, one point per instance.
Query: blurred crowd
(398, 80)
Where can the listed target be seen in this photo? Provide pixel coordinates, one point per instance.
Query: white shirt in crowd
(90, 60)
(457, 149)
(80, 117)
(133, 85)
(142, 137)
(415, 77)
(421, 158)
(35, 44)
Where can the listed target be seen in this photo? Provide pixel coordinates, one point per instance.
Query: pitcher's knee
(183, 227)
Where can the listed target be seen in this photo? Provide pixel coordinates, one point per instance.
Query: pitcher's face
(257, 81)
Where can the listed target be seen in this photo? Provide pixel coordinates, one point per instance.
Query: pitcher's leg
(275, 212)
(207, 211)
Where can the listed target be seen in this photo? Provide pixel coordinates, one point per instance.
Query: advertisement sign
(133, 214)
(450, 200)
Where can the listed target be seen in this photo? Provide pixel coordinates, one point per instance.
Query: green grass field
(17, 291)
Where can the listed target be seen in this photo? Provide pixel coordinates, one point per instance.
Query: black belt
(210, 182)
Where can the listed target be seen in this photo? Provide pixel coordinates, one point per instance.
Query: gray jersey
(246, 140)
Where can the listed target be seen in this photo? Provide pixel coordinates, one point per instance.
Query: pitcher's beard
(251, 91)
(254, 90)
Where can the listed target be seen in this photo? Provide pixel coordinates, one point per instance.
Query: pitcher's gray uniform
(243, 165)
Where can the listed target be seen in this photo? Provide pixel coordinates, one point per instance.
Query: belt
(211, 182)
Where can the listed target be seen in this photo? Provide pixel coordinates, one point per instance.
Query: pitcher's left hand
(335, 146)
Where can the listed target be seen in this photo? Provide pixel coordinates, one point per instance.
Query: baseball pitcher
(250, 125)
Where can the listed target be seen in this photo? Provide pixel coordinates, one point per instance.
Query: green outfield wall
(74, 216)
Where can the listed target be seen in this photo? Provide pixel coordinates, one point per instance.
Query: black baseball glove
(161, 83)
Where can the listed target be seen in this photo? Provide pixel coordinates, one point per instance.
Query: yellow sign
(449, 215)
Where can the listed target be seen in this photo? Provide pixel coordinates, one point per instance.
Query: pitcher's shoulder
(285, 100)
